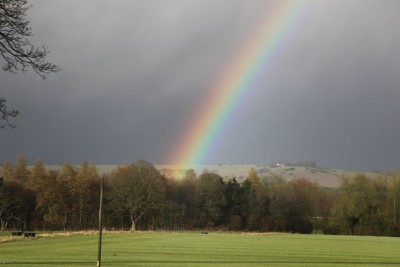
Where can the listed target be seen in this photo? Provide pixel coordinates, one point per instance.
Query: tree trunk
(133, 226)
(80, 211)
(353, 222)
(65, 220)
(3, 225)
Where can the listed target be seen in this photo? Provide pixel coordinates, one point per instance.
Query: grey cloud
(134, 71)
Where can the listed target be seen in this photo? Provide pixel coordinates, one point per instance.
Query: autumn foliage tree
(86, 191)
(367, 204)
(210, 199)
(354, 202)
(302, 198)
(137, 196)
(16, 205)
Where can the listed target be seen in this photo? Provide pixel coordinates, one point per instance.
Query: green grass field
(195, 249)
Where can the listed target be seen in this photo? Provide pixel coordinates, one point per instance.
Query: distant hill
(322, 176)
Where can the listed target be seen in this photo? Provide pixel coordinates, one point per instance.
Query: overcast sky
(133, 73)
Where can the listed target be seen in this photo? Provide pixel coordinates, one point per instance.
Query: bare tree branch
(17, 51)
(15, 47)
(6, 114)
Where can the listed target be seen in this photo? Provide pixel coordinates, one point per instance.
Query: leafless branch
(15, 47)
(6, 114)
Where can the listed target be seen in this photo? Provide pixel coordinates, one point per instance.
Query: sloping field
(196, 249)
(324, 177)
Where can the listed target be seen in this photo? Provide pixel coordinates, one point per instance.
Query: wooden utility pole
(100, 222)
(394, 201)
(394, 207)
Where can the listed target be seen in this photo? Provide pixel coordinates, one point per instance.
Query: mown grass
(195, 249)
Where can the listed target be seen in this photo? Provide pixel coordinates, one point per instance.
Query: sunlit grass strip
(196, 249)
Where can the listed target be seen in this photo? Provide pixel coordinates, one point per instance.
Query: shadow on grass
(163, 263)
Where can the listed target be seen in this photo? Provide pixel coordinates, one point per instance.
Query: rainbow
(236, 80)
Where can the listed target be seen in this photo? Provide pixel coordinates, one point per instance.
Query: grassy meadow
(196, 249)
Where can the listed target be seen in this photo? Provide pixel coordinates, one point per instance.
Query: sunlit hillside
(323, 176)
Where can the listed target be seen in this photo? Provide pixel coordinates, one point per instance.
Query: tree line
(138, 196)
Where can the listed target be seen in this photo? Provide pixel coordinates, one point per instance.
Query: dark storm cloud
(133, 71)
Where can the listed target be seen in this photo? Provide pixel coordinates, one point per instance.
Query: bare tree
(16, 49)
(139, 188)
(5, 114)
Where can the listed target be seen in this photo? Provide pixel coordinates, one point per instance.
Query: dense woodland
(137, 196)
